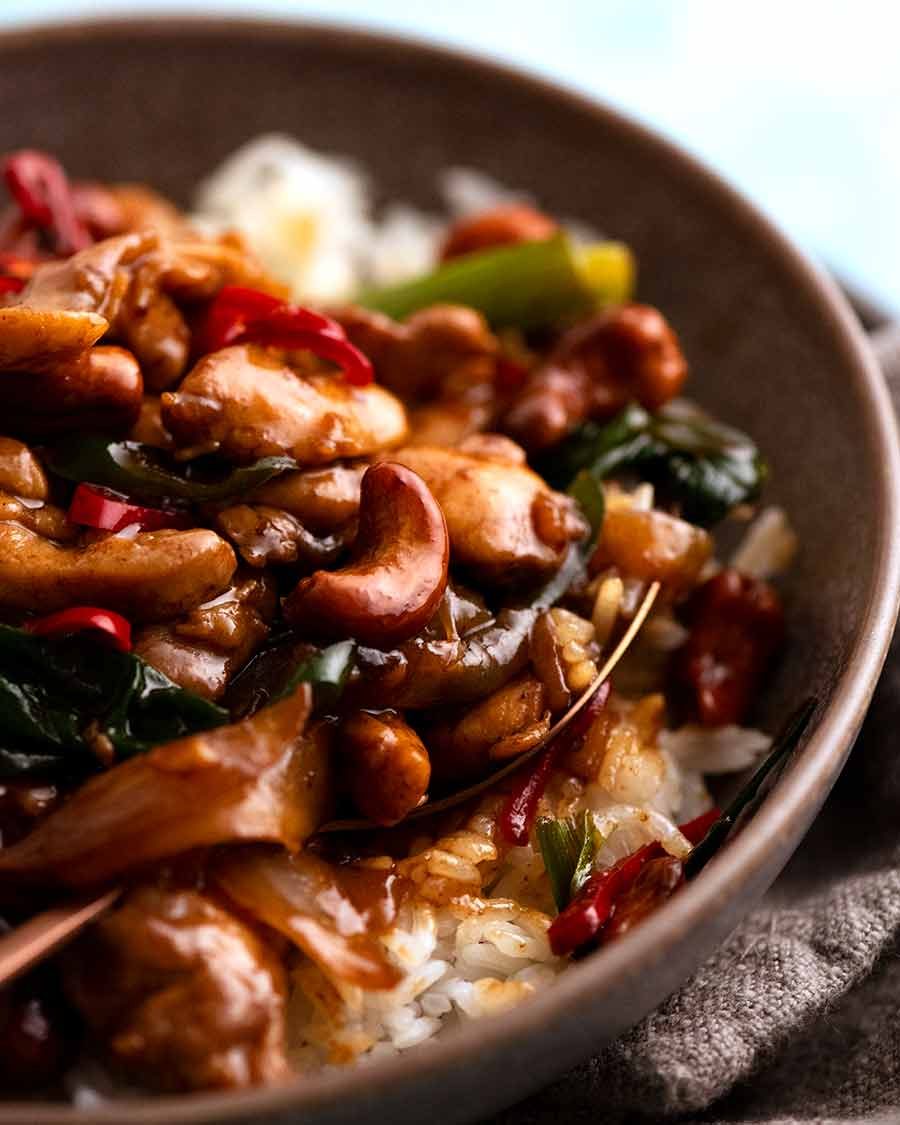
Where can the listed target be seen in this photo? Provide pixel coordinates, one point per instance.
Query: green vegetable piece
(528, 285)
(53, 691)
(591, 843)
(277, 670)
(751, 793)
(146, 473)
(588, 492)
(568, 848)
(705, 467)
(560, 848)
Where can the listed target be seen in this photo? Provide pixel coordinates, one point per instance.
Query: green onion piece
(528, 285)
(592, 842)
(561, 846)
(568, 848)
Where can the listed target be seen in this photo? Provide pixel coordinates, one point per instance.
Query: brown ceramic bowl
(775, 350)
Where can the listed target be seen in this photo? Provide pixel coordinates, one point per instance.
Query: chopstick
(40, 936)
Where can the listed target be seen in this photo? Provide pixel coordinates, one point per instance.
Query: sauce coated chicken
(265, 567)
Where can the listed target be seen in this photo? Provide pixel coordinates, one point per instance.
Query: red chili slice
(520, 810)
(11, 285)
(40, 188)
(590, 910)
(92, 507)
(241, 315)
(80, 618)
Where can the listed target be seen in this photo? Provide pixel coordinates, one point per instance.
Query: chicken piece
(45, 520)
(440, 351)
(324, 500)
(267, 536)
(506, 724)
(68, 305)
(201, 652)
(184, 995)
(245, 403)
(149, 429)
(506, 526)
(450, 421)
(265, 778)
(152, 577)
(21, 473)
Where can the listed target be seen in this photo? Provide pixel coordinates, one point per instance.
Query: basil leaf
(697, 462)
(587, 491)
(278, 669)
(54, 689)
(146, 473)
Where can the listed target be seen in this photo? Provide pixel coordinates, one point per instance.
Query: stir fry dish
(313, 571)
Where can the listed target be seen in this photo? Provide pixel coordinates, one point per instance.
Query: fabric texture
(795, 1018)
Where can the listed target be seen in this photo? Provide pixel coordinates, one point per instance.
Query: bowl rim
(814, 768)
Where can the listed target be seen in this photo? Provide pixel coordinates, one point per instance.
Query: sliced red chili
(241, 315)
(590, 910)
(520, 810)
(81, 618)
(11, 285)
(40, 188)
(93, 507)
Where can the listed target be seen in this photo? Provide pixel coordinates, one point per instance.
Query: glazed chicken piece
(152, 577)
(184, 995)
(125, 288)
(440, 352)
(506, 724)
(21, 472)
(245, 404)
(323, 500)
(266, 778)
(506, 526)
(202, 651)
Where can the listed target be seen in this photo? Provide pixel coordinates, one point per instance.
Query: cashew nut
(399, 571)
(385, 765)
(156, 575)
(247, 404)
(99, 390)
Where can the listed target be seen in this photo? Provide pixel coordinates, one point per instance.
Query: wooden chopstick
(40, 936)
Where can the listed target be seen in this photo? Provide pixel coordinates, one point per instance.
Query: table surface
(797, 103)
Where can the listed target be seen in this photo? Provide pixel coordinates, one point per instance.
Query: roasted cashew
(155, 576)
(247, 404)
(386, 768)
(99, 390)
(399, 571)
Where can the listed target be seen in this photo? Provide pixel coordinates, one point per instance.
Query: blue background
(796, 102)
